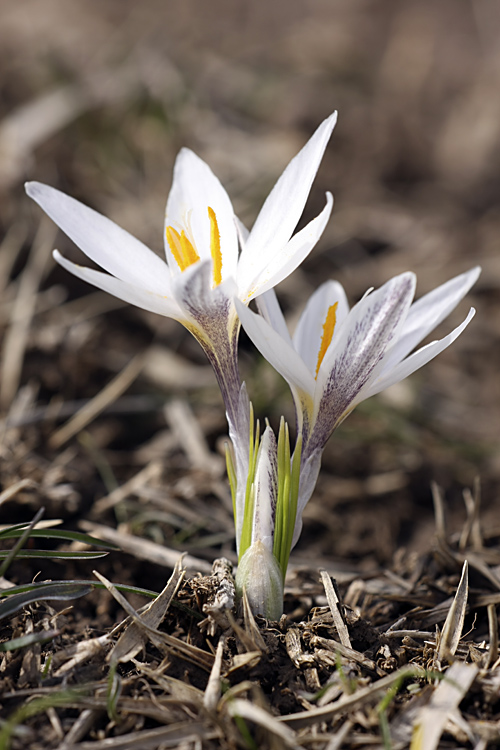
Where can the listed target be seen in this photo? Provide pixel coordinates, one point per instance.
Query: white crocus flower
(340, 357)
(203, 271)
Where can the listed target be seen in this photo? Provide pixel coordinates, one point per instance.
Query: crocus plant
(337, 357)
(340, 357)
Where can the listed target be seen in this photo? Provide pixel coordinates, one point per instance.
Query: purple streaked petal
(193, 290)
(360, 345)
(265, 489)
(415, 361)
(426, 313)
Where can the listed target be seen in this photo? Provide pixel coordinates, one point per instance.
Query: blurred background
(97, 97)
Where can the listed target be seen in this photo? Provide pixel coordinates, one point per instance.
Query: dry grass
(111, 421)
(184, 670)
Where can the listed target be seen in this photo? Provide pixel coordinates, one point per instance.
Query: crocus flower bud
(260, 576)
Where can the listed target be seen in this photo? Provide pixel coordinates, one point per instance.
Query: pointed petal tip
(32, 188)
(410, 275)
(333, 118)
(330, 200)
(459, 329)
(41, 193)
(406, 281)
(469, 277)
(474, 274)
(330, 121)
(327, 126)
(185, 160)
(411, 278)
(187, 155)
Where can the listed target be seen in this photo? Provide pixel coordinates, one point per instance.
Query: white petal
(356, 351)
(416, 360)
(427, 312)
(194, 189)
(123, 290)
(281, 355)
(309, 332)
(243, 232)
(274, 268)
(284, 206)
(269, 307)
(111, 247)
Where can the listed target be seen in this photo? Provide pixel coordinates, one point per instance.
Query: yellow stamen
(326, 338)
(190, 254)
(182, 249)
(174, 243)
(215, 247)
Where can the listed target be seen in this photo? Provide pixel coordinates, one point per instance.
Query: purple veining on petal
(303, 422)
(216, 326)
(266, 490)
(366, 343)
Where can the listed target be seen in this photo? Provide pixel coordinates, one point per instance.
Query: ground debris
(292, 682)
